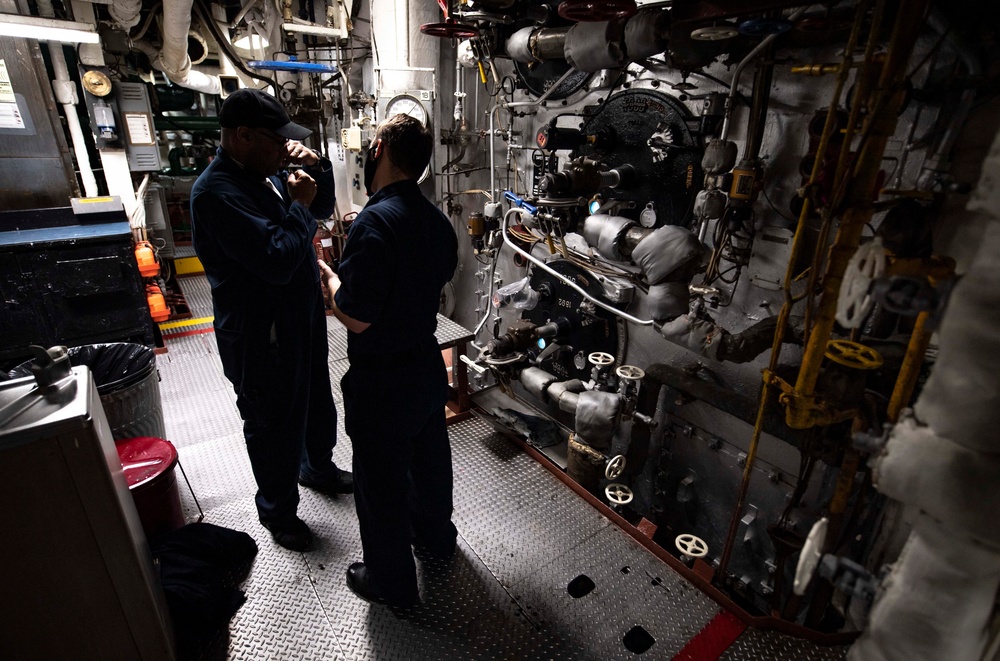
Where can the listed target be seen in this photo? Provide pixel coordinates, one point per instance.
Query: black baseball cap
(259, 110)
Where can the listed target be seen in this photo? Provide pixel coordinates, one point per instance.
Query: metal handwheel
(853, 354)
(630, 372)
(600, 358)
(615, 467)
(691, 546)
(619, 494)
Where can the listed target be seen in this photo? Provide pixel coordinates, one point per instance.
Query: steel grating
(756, 644)
(198, 295)
(450, 332)
(631, 588)
(523, 537)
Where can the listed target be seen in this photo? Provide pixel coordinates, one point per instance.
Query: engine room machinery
(714, 257)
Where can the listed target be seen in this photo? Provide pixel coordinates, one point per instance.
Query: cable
(205, 16)
(771, 204)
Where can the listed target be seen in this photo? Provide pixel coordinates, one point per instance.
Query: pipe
(906, 381)
(566, 281)
(734, 85)
(880, 126)
(518, 104)
(191, 78)
(125, 12)
(66, 94)
(786, 308)
(936, 162)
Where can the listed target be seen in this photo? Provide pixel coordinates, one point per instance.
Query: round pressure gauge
(404, 104)
(97, 83)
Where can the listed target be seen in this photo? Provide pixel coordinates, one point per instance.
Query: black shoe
(358, 581)
(340, 481)
(433, 552)
(293, 534)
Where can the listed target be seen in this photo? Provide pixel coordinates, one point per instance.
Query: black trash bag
(115, 366)
(201, 567)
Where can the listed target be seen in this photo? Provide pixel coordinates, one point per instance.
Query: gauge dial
(97, 83)
(404, 104)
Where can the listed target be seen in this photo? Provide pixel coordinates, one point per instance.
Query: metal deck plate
(523, 536)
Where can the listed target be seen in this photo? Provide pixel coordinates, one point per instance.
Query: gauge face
(404, 104)
(97, 83)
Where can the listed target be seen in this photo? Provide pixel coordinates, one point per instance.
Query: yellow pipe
(779, 333)
(906, 381)
(879, 128)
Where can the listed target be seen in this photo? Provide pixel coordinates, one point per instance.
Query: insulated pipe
(125, 12)
(937, 601)
(193, 79)
(65, 93)
(566, 281)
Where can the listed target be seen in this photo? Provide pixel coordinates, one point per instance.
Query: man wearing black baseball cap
(252, 230)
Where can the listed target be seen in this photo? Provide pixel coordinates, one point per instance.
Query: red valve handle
(450, 30)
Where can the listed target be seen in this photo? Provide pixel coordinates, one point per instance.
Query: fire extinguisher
(323, 244)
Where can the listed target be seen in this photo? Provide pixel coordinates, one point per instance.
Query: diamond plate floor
(523, 537)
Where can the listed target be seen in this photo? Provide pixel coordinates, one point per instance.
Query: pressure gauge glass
(404, 104)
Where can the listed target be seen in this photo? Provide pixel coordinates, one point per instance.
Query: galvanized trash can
(127, 383)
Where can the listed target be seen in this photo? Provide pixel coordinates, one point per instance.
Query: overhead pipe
(65, 93)
(735, 84)
(125, 12)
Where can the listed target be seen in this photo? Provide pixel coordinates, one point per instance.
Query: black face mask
(371, 164)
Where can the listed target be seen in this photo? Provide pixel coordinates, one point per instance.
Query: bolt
(774, 476)
(742, 459)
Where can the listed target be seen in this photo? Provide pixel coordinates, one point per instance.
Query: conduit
(65, 93)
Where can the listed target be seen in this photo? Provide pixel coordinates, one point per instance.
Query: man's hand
(330, 282)
(299, 154)
(301, 187)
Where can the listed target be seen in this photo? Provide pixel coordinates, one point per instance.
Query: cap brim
(293, 131)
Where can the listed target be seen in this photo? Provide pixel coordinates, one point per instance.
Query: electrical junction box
(351, 138)
(772, 248)
(135, 117)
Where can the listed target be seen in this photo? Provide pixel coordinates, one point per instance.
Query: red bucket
(149, 464)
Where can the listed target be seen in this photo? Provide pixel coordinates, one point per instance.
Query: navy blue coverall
(270, 321)
(400, 252)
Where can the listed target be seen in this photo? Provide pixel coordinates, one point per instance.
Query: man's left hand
(299, 154)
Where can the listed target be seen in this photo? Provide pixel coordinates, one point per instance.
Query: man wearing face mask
(252, 229)
(400, 252)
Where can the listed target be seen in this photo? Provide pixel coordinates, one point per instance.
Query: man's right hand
(329, 281)
(301, 187)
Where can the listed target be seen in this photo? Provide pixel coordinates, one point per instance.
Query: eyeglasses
(273, 136)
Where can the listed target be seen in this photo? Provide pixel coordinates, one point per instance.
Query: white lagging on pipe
(65, 93)
(938, 601)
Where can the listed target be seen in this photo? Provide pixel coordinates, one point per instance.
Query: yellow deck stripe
(188, 266)
(186, 322)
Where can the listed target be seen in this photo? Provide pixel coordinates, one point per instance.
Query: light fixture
(250, 41)
(47, 29)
